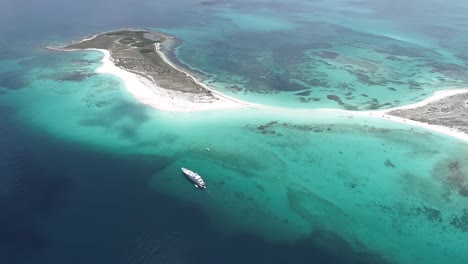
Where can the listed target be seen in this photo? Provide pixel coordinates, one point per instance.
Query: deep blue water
(63, 203)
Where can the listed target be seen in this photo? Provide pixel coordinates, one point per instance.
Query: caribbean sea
(90, 175)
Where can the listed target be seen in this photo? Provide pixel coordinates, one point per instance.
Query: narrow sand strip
(145, 91)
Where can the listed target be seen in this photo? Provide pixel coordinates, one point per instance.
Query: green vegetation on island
(135, 51)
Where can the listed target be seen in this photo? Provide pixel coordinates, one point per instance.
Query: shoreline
(385, 114)
(216, 93)
(396, 119)
(146, 91)
(436, 96)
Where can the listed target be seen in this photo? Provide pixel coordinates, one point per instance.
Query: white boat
(194, 177)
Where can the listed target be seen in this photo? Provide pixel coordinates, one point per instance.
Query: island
(134, 56)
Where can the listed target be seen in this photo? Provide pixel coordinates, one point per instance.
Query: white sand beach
(384, 115)
(145, 91)
(436, 96)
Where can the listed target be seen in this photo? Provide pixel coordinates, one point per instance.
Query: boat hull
(194, 177)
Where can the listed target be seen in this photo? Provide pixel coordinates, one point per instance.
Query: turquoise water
(367, 58)
(295, 171)
(323, 187)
